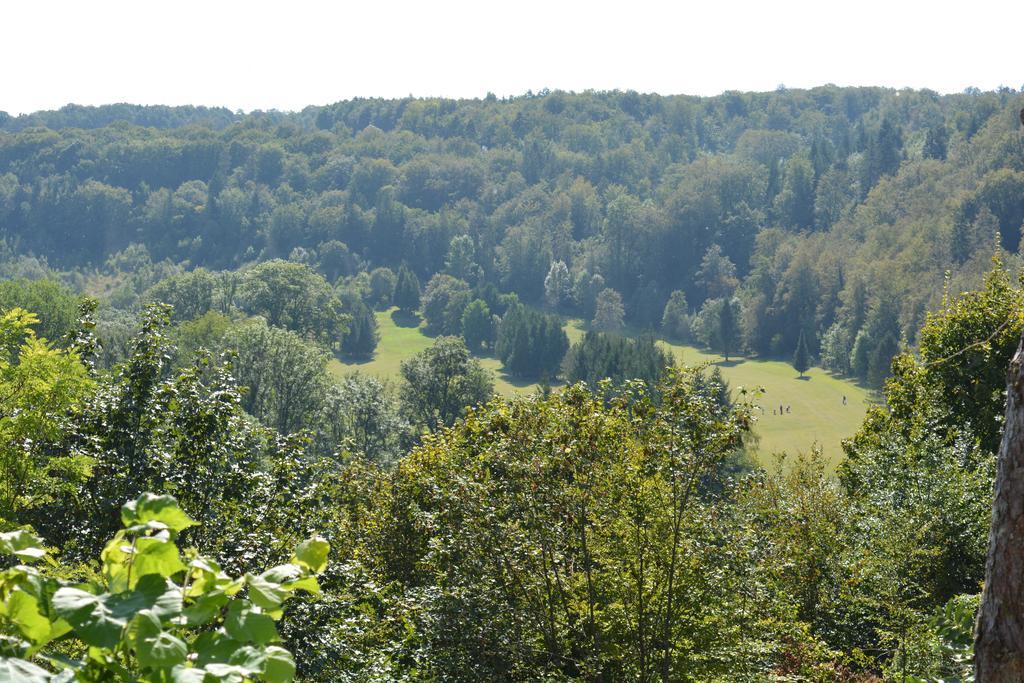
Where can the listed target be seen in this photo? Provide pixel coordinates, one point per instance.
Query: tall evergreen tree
(407, 290)
(362, 336)
(801, 357)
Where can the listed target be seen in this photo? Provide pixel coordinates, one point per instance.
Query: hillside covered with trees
(832, 213)
(188, 495)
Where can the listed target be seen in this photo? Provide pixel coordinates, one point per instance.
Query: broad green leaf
(156, 556)
(155, 647)
(20, 671)
(23, 610)
(250, 658)
(89, 615)
(279, 666)
(214, 647)
(24, 545)
(125, 564)
(312, 554)
(267, 594)
(153, 593)
(245, 624)
(185, 674)
(150, 507)
(226, 672)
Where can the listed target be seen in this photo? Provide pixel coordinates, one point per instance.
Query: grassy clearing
(816, 411)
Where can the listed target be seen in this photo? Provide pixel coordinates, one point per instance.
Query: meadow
(813, 410)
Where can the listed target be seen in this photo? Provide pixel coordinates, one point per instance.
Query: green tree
(557, 286)
(362, 337)
(382, 287)
(477, 326)
(531, 344)
(292, 296)
(609, 313)
(801, 357)
(444, 299)
(727, 332)
(460, 262)
(441, 381)
(55, 307)
(284, 375)
(40, 386)
(360, 414)
(675, 320)
(407, 290)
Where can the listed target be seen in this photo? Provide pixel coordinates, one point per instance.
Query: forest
(188, 494)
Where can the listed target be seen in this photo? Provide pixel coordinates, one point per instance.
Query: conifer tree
(407, 290)
(801, 358)
(362, 336)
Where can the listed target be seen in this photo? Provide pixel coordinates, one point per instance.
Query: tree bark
(999, 632)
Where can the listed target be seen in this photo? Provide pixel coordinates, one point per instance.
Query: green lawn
(817, 414)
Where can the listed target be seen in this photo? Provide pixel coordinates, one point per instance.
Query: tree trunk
(999, 632)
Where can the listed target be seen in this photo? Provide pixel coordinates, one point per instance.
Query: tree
(360, 414)
(557, 286)
(460, 262)
(477, 326)
(54, 306)
(407, 290)
(531, 344)
(717, 274)
(599, 356)
(444, 300)
(801, 357)
(39, 385)
(727, 327)
(675, 321)
(441, 381)
(998, 649)
(362, 337)
(284, 375)
(609, 314)
(292, 296)
(382, 288)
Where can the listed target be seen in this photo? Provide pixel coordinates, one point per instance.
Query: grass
(816, 411)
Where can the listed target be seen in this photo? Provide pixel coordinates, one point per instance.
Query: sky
(287, 55)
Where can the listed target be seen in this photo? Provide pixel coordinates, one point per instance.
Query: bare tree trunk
(999, 632)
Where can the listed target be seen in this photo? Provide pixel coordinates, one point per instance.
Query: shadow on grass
(804, 378)
(729, 363)
(405, 318)
(354, 360)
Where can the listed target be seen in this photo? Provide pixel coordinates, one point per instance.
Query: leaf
(20, 671)
(89, 615)
(155, 647)
(23, 610)
(312, 554)
(150, 507)
(245, 624)
(24, 545)
(279, 666)
(185, 674)
(99, 619)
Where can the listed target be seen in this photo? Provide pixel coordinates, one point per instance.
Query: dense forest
(187, 495)
(832, 213)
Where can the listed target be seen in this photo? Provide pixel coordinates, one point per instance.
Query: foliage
(40, 387)
(283, 374)
(600, 356)
(609, 314)
(440, 382)
(152, 614)
(531, 344)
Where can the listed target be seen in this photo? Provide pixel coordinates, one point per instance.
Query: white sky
(285, 55)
